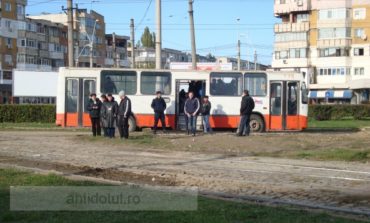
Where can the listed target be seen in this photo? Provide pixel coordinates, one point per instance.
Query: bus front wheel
(132, 124)
(257, 124)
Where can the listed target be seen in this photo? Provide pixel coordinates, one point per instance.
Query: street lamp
(90, 44)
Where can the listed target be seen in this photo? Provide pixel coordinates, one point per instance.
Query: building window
(334, 52)
(359, 71)
(330, 33)
(358, 52)
(359, 13)
(20, 11)
(8, 59)
(8, 7)
(333, 71)
(329, 14)
(7, 75)
(9, 43)
(359, 32)
(302, 18)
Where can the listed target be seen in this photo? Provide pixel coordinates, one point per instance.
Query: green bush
(27, 113)
(337, 112)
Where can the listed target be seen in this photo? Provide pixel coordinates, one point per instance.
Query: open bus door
(182, 88)
(78, 92)
(284, 98)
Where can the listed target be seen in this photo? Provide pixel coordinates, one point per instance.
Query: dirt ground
(220, 163)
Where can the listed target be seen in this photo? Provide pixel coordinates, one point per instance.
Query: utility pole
(114, 49)
(77, 44)
(255, 60)
(158, 39)
(132, 27)
(192, 35)
(70, 32)
(239, 55)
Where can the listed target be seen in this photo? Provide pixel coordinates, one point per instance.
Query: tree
(138, 44)
(211, 58)
(154, 39)
(147, 38)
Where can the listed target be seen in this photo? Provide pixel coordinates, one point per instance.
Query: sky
(216, 23)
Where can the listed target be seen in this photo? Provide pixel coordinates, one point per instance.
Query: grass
(339, 124)
(335, 154)
(25, 126)
(209, 210)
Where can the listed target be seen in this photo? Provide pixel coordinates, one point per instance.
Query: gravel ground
(334, 184)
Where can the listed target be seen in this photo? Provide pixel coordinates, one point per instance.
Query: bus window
(89, 88)
(72, 95)
(304, 91)
(256, 84)
(114, 81)
(292, 98)
(226, 84)
(275, 95)
(155, 81)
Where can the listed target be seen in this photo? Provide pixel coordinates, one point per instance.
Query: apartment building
(328, 42)
(42, 45)
(89, 35)
(145, 57)
(244, 64)
(11, 12)
(116, 49)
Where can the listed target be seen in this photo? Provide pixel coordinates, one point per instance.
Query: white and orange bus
(280, 97)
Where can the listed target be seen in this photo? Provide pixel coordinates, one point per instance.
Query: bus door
(78, 92)
(183, 87)
(284, 113)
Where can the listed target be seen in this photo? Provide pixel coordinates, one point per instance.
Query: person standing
(206, 112)
(94, 107)
(192, 106)
(124, 113)
(103, 120)
(246, 109)
(159, 106)
(109, 114)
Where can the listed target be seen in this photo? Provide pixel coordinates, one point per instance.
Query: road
(312, 183)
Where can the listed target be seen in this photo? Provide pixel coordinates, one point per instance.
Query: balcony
(292, 27)
(325, 43)
(291, 6)
(33, 67)
(56, 55)
(290, 63)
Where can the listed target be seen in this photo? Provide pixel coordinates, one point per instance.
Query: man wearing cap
(159, 106)
(94, 107)
(124, 113)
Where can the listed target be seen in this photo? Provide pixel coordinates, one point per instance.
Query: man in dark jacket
(206, 112)
(159, 106)
(124, 113)
(94, 107)
(246, 110)
(192, 106)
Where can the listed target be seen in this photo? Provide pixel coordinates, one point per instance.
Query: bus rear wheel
(257, 124)
(132, 124)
